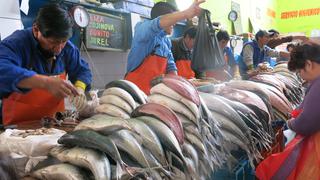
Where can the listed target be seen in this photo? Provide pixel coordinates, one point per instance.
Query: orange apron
(184, 68)
(32, 106)
(151, 67)
(299, 160)
(220, 74)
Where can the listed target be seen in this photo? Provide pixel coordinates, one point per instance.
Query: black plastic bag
(206, 53)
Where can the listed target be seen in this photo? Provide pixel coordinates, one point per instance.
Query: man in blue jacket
(34, 63)
(150, 54)
(256, 52)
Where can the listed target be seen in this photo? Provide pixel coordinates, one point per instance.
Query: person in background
(231, 65)
(230, 69)
(305, 59)
(276, 39)
(300, 158)
(256, 52)
(182, 52)
(150, 54)
(34, 63)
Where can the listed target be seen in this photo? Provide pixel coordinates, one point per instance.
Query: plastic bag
(206, 54)
(90, 106)
(26, 149)
(300, 160)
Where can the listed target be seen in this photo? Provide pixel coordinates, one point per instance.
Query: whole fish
(218, 105)
(91, 139)
(150, 140)
(180, 85)
(166, 91)
(173, 104)
(189, 151)
(166, 136)
(59, 172)
(121, 93)
(116, 101)
(131, 88)
(196, 142)
(125, 141)
(112, 110)
(164, 114)
(104, 124)
(91, 159)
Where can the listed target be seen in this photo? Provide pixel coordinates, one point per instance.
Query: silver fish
(104, 124)
(60, 172)
(112, 110)
(116, 101)
(121, 93)
(91, 159)
(150, 140)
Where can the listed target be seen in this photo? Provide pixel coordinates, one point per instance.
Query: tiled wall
(106, 66)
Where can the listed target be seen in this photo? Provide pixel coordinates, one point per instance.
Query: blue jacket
(150, 37)
(258, 56)
(16, 52)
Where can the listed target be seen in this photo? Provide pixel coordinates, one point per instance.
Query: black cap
(162, 8)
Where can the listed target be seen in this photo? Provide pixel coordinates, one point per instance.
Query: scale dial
(233, 43)
(233, 15)
(80, 16)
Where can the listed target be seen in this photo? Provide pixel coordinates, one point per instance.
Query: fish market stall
(177, 132)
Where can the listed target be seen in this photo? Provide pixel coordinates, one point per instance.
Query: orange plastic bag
(299, 160)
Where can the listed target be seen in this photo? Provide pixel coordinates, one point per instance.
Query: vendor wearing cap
(150, 54)
(256, 52)
(34, 63)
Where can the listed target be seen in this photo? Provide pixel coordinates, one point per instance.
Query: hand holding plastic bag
(206, 54)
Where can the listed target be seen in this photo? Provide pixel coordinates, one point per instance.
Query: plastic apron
(32, 106)
(184, 68)
(151, 67)
(299, 160)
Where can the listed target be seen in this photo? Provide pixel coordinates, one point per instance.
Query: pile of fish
(120, 98)
(177, 132)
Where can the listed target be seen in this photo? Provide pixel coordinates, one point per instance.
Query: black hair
(53, 21)
(7, 167)
(301, 53)
(162, 8)
(223, 35)
(261, 33)
(191, 32)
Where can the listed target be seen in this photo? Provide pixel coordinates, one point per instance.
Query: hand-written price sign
(105, 32)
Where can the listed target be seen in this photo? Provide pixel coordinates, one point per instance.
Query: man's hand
(59, 87)
(80, 100)
(194, 9)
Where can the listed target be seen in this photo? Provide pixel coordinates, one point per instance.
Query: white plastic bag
(31, 149)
